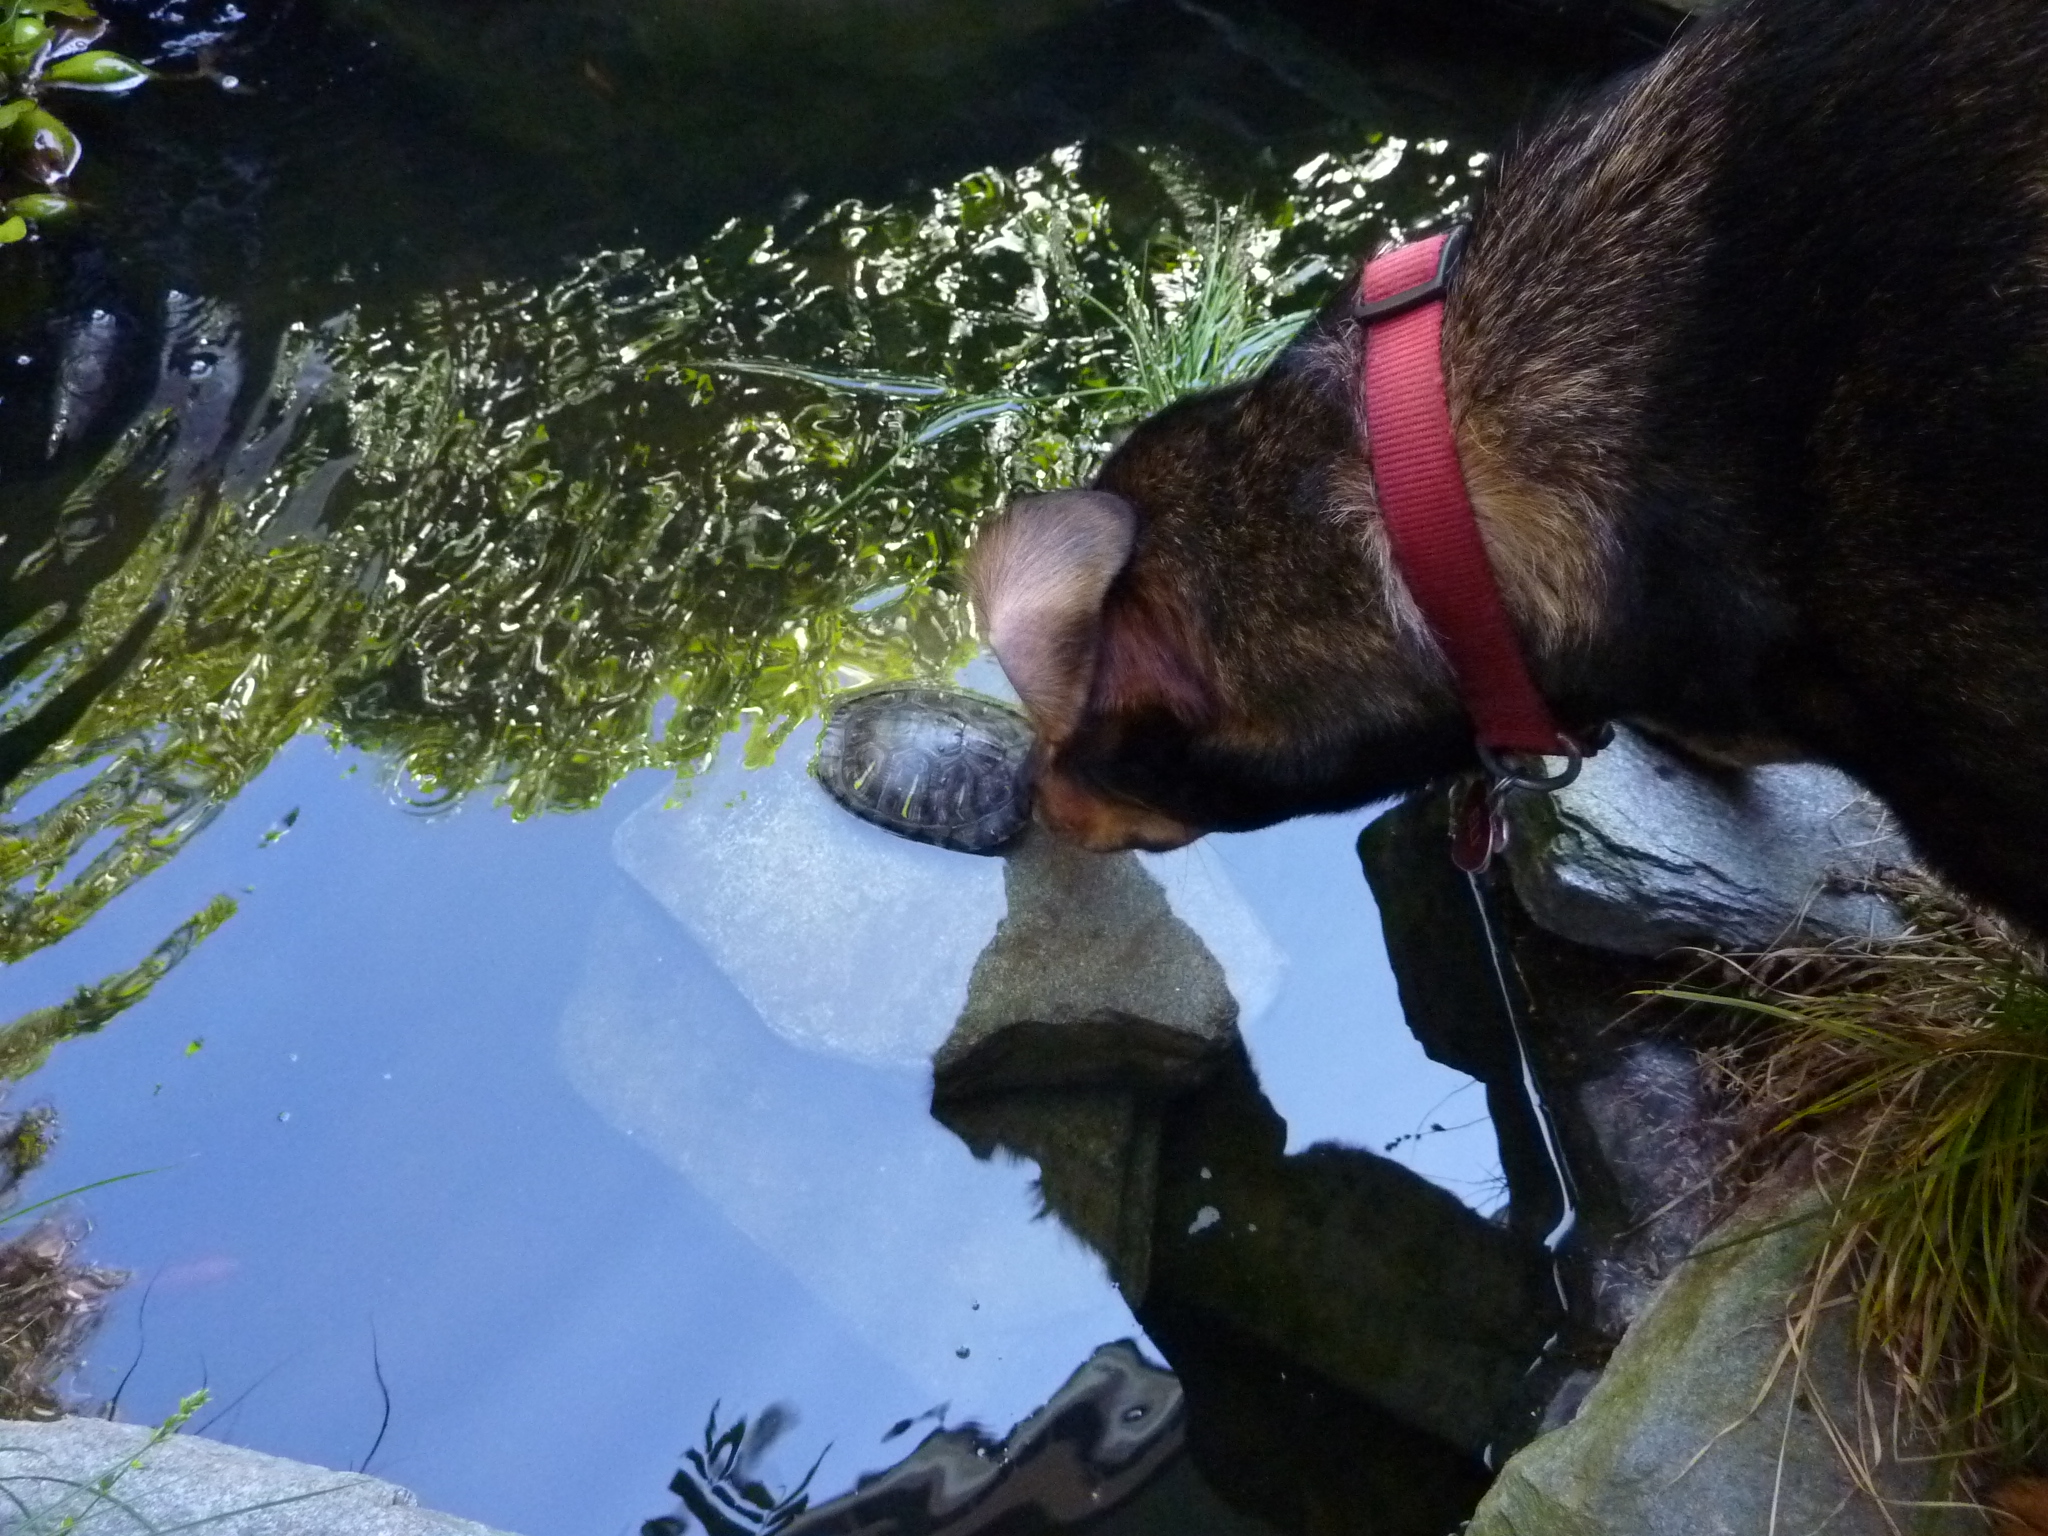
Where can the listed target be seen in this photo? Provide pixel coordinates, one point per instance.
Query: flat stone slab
(1648, 852)
(52, 1469)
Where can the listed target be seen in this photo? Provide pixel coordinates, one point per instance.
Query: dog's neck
(1573, 291)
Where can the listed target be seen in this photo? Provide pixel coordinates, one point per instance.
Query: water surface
(419, 604)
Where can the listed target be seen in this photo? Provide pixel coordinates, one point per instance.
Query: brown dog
(1747, 367)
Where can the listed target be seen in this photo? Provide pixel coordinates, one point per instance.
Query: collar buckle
(1366, 311)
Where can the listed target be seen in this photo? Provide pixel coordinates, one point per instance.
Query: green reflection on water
(486, 533)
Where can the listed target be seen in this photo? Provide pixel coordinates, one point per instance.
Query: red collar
(1431, 530)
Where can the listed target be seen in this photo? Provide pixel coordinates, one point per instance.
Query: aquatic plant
(1915, 1070)
(46, 46)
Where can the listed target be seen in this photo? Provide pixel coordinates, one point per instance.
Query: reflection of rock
(1092, 1002)
(1361, 1328)
(1112, 1429)
(1086, 939)
(187, 1482)
(1646, 852)
(1346, 1262)
(1700, 1427)
(1437, 948)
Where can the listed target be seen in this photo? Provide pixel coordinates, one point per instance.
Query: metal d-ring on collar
(1502, 768)
(1479, 822)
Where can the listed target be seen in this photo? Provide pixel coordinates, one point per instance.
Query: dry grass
(1915, 1071)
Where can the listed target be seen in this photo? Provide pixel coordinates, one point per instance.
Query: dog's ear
(1038, 575)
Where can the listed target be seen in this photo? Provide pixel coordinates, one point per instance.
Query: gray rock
(52, 1467)
(1648, 852)
(1698, 1428)
(1660, 1139)
(1093, 1003)
(1088, 939)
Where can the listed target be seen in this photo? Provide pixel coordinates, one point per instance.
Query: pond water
(432, 529)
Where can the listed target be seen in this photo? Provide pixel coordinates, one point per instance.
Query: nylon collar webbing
(1431, 528)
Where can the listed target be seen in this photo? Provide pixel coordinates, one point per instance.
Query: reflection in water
(1349, 1335)
(1107, 1451)
(526, 535)
(848, 940)
(1343, 1329)
(486, 534)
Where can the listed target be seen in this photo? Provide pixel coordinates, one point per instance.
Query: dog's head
(1208, 637)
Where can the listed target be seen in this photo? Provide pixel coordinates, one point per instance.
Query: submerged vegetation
(526, 539)
(1916, 1070)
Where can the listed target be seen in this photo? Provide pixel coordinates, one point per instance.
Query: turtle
(934, 764)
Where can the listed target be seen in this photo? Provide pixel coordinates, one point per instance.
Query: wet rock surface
(189, 1481)
(1647, 851)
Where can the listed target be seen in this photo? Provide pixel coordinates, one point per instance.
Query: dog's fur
(1748, 367)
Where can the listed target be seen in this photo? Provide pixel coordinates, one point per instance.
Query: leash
(1433, 535)
(1559, 1348)
(1501, 963)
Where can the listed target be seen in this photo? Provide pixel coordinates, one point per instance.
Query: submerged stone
(933, 764)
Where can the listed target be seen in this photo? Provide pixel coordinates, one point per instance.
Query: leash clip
(1513, 770)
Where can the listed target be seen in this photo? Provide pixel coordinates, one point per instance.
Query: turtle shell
(934, 764)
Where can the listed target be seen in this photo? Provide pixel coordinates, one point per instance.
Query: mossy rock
(1703, 1426)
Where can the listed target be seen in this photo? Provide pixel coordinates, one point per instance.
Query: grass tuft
(1916, 1069)
(1201, 323)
